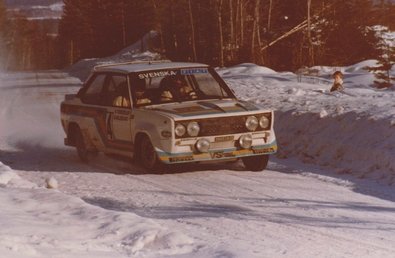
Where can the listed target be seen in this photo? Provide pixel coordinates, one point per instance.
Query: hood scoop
(211, 106)
(207, 108)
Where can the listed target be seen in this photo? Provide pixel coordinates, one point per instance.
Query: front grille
(222, 125)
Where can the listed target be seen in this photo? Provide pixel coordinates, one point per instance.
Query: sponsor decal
(156, 74)
(121, 115)
(263, 151)
(194, 71)
(122, 112)
(181, 158)
(120, 118)
(99, 116)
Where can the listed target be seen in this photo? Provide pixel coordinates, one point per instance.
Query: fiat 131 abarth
(166, 113)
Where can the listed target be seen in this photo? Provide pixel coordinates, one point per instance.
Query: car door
(119, 110)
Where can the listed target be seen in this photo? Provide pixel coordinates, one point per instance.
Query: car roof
(142, 66)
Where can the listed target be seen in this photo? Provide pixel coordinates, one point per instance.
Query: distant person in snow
(338, 83)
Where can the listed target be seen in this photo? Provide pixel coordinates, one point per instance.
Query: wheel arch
(72, 130)
(137, 142)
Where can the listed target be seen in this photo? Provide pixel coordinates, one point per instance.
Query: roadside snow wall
(350, 142)
(351, 132)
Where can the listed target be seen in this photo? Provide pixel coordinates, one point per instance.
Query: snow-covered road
(216, 210)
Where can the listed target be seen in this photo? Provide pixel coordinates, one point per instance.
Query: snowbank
(138, 51)
(361, 66)
(246, 68)
(46, 223)
(351, 132)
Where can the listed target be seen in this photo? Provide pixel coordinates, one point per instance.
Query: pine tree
(386, 61)
(345, 37)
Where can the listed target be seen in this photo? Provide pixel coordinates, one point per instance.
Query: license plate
(224, 138)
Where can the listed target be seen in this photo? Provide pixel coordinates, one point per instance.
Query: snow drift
(351, 132)
(43, 222)
(139, 51)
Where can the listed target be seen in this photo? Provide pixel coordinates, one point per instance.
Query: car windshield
(177, 85)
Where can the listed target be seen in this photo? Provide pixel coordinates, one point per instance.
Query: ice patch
(51, 183)
(339, 110)
(7, 176)
(323, 113)
(4, 168)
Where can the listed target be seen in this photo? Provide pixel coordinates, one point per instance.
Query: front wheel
(148, 156)
(255, 163)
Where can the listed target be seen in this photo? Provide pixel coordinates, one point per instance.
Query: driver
(178, 90)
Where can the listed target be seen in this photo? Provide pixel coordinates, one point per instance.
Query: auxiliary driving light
(203, 145)
(245, 141)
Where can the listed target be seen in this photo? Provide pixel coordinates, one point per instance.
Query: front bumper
(218, 154)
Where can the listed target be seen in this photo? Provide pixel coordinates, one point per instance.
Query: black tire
(148, 156)
(256, 163)
(83, 152)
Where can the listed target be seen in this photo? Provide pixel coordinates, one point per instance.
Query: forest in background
(281, 34)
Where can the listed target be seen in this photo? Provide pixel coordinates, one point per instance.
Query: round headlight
(203, 145)
(180, 130)
(252, 123)
(264, 122)
(245, 141)
(193, 129)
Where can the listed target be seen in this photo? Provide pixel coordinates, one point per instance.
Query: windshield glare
(157, 87)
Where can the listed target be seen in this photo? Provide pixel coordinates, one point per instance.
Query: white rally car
(166, 113)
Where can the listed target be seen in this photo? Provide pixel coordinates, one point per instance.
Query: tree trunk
(159, 25)
(311, 50)
(237, 23)
(172, 15)
(258, 31)
(192, 31)
(269, 17)
(255, 33)
(221, 36)
(123, 24)
(241, 23)
(71, 52)
(232, 30)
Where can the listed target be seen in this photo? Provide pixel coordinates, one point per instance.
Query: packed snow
(327, 193)
(352, 131)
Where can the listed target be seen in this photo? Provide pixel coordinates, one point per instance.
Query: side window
(117, 94)
(93, 93)
(144, 90)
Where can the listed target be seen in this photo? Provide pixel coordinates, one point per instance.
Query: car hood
(206, 107)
